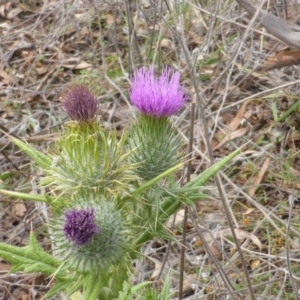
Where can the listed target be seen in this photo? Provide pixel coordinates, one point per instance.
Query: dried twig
(285, 32)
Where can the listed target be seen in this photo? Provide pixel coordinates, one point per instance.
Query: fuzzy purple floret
(80, 104)
(157, 96)
(80, 226)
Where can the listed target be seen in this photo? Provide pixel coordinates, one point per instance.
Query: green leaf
(37, 198)
(93, 287)
(69, 286)
(41, 159)
(292, 109)
(202, 178)
(129, 291)
(153, 181)
(25, 196)
(185, 194)
(30, 259)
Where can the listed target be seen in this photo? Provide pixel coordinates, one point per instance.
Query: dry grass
(47, 45)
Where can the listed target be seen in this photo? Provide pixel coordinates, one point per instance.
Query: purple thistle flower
(80, 226)
(80, 104)
(157, 96)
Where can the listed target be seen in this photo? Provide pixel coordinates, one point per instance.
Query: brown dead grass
(47, 45)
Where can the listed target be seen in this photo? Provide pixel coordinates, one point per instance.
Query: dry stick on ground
(132, 38)
(216, 82)
(218, 181)
(206, 134)
(220, 269)
(254, 96)
(188, 178)
(229, 66)
(291, 204)
(217, 178)
(285, 32)
(269, 215)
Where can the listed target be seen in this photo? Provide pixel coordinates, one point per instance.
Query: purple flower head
(157, 96)
(80, 226)
(80, 104)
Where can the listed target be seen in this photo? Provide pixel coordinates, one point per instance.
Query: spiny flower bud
(91, 239)
(90, 158)
(157, 96)
(156, 146)
(80, 226)
(80, 104)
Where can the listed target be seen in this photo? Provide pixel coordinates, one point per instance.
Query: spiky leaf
(29, 259)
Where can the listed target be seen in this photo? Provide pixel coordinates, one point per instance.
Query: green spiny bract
(108, 245)
(89, 157)
(157, 145)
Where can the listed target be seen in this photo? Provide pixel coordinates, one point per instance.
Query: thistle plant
(105, 194)
(157, 142)
(87, 156)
